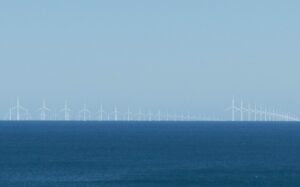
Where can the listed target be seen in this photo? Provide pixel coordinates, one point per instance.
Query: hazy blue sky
(182, 55)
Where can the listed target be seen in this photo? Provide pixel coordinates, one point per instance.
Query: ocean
(138, 154)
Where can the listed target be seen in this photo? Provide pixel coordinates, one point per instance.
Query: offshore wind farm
(133, 93)
(239, 111)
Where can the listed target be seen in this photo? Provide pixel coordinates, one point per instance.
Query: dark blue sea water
(100, 154)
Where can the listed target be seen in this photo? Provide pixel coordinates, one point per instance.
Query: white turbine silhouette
(159, 115)
(128, 114)
(44, 111)
(249, 112)
(84, 114)
(266, 114)
(167, 115)
(241, 109)
(188, 116)
(18, 109)
(100, 113)
(115, 113)
(233, 109)
(66, 111)
(255, 113)
(55, 116)
(8, 116)
(260, 113)
(140, 115)
(175, 116)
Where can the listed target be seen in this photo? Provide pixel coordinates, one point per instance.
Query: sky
(178, 55)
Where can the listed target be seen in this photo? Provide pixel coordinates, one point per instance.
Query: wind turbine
(128, 114)
(44, 111)
(66, 111)
(10, 114)
(270, 114)
(84, 114)
(267, 116)
(175, 117)
(291, 117)
(296, 118)
(18, 108)
(249, 112)
(286, 116)
(241, 109)
(140, 114)
(261, 113)
(233, 109)
(55, 116)
(266, 113)
(167, 115)
(159, 115)
(278, 115)
(255, 112)
(100, 113)
(181, 116)
(188, 116)
(273, 115)
(115, 113)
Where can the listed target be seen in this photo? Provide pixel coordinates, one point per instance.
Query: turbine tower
(255, 112)
(159, 115)
(18, 109)
(175, 116)
(242, 111)
(261, 113)
(249, 112)
(233, 109)
(55, 116)
(44, 111)
(181, 117)
(66, 111)
(266, 113)
(85, 114)
(128, 114)
(10, 114)
(188, 118)
(274, 115)
(115, 113)
(100, 113)
(140, 114)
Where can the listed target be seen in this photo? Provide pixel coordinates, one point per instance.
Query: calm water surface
(100, 154)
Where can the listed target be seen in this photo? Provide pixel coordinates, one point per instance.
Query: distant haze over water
(186, 56)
